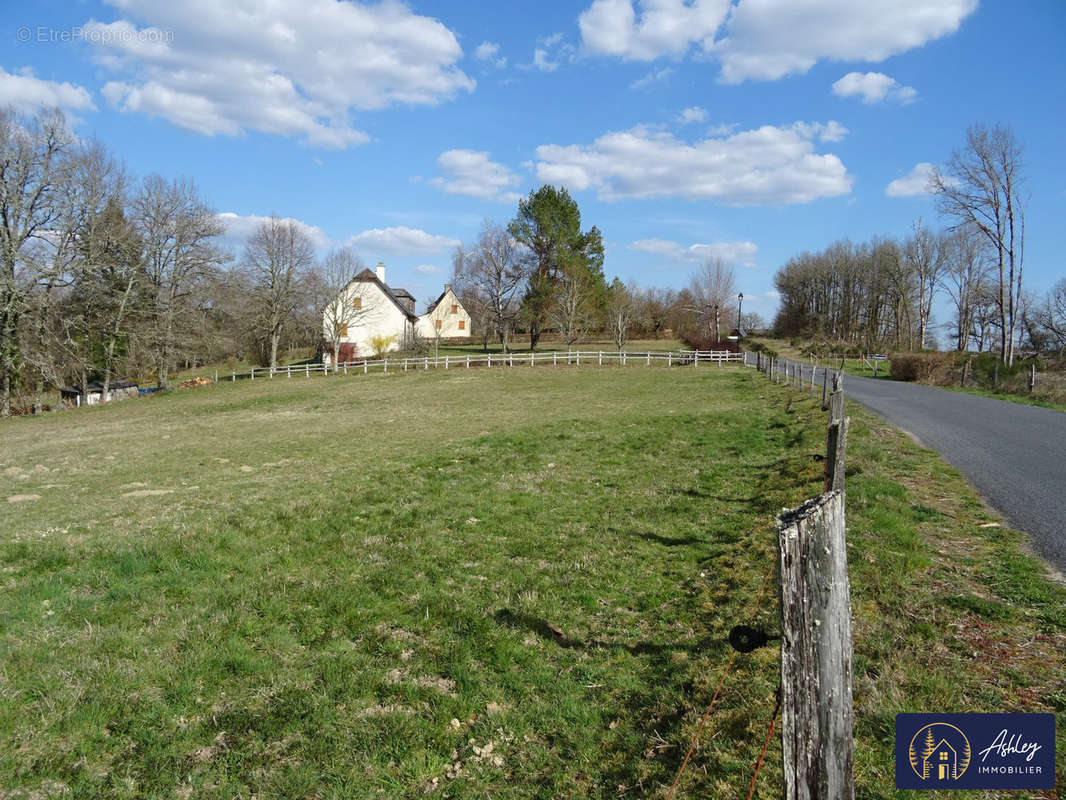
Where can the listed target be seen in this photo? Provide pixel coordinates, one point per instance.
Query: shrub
(703, 341)
(921, 367)
(381, 344)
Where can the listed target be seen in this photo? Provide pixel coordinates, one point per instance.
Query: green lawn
(505, 583)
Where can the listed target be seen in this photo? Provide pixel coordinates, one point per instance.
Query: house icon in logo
(939, 752)
(943, 762)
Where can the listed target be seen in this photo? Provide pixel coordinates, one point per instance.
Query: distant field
(506, 583)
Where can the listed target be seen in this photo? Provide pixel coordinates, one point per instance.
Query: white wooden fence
(578, 358)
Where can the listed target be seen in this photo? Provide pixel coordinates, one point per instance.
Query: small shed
(93, 393)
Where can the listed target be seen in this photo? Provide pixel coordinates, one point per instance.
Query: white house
(445, 318)
(367, 308)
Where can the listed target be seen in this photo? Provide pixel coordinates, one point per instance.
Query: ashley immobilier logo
(975, 751)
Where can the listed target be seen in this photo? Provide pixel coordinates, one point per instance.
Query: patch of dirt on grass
(148, 492)
(435, 682)
(22, 498)
(384, 710)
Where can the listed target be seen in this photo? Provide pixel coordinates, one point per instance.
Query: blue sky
(750, 130)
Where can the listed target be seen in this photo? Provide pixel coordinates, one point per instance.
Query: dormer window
(455, 309)
(357, 303)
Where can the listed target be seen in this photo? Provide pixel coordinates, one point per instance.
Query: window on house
(357, 303)
(455, 309)
(462, 324)
(344, 331)
(440, 323)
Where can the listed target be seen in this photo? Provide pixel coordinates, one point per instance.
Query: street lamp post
(740, 308)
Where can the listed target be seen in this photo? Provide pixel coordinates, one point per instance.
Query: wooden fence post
(836, 399)
(1032, 377)
(965, 369)
(836, 444)
(825, 389)
(816, 652)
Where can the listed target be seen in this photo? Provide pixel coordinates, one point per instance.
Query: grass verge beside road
(512, 582)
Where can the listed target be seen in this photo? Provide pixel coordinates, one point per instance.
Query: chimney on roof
(447, 288)
(380, 269)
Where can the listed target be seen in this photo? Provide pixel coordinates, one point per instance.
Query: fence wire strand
(718, 690)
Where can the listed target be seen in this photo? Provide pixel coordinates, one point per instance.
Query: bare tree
(571, 310)
(177, 231)
(713, 289)
(339, 309)
(622, 310)
(494, 270)
(1050, 317)
(965, 277)
(924, 253)
(980, 187)
(277, 253)
(31, 170)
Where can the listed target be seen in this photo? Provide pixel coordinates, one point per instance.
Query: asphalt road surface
(1015, 455)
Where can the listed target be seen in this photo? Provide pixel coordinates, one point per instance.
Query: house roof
(366, 276)
(438, 301)
(97, 387)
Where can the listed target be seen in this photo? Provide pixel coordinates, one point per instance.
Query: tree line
(542, 272)
(880, 294)
(104, 275)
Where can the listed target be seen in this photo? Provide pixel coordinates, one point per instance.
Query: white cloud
(914, 183)
(874, 87)
(655, 76)
(472, 173)
(664, 28)
(26, 93)
(490, 51)
(551, 51)
(401, 240)
(293, 69)
(734, 253)
(767, 39)
(692, 114)
(240, 227)
(766, 166)
(427, 269)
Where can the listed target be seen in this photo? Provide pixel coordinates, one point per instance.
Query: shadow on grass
(545, 630)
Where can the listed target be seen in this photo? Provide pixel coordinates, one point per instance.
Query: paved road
(1015, 455)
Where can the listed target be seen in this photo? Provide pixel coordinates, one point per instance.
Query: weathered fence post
(825, 389)
(233, 378)
(995, 373)
(1032, 377)
(965, 369)
(307, 370)
(816, 652)
(836, 438)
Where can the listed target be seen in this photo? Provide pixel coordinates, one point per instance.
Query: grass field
(479, 583)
